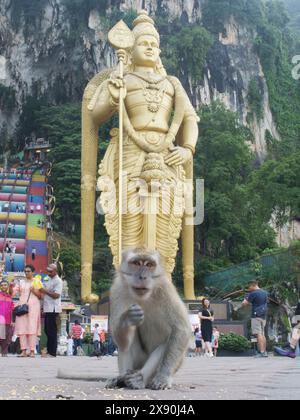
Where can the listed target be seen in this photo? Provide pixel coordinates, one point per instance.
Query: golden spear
(121, 38)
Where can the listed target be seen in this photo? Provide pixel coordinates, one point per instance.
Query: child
(103, 342)
(215, 340)
(198, 341)
(6, 310)
(70, 346)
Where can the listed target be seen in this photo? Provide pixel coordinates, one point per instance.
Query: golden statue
(142, 182)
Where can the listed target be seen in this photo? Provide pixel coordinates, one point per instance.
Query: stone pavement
(199, 379)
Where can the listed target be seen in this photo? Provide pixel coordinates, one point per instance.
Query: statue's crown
(144, 25)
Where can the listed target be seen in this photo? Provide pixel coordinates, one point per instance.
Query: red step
(40, 263)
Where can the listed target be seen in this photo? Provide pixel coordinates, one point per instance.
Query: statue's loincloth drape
(169, 202)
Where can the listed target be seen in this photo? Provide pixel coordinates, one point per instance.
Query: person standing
(70, 349)
(291, 350)
(207, 318)
(215, 341)
(110, 344)
(198, 341)
(76, 335)
(258, 298)
(6, 322)
(96, 339)
(52, 307)
(12, 263)
(103, 342)
(33, 253)
(28, 327)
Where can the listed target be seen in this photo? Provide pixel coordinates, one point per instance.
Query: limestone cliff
(47, 54)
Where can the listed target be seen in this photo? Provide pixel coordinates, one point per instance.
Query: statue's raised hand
(114, 86)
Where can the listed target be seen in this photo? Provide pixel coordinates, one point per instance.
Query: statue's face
(146, 51)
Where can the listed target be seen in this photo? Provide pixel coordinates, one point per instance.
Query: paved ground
(218, 379)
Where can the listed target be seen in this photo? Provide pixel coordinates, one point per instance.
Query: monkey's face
(140, 272)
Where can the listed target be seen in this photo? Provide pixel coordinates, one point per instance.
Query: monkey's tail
(88, 377)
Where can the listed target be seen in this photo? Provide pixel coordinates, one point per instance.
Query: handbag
(22, 309)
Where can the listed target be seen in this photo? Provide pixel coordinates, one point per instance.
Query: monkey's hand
(114, 383)
(134, 380)
(160, 381)
(135, 316)
(119, 381)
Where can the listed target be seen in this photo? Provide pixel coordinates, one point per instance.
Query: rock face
(55, 55)
(186, 9)
(232, 65)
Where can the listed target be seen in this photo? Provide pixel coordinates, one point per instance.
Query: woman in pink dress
(28, 327)
(6, 310)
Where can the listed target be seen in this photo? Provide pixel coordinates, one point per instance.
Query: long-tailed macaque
(149, 323)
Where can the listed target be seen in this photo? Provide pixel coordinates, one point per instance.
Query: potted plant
(87, 344)
(232, 345)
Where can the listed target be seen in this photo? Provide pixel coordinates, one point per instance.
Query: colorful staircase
(23, 223)
(36, 236)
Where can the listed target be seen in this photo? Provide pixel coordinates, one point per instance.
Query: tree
(280, 190)
(233, 230)
(185, 52)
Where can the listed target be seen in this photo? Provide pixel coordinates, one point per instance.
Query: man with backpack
(258, 298)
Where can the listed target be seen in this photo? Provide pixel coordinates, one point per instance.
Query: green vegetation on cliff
(275, 49)
(293, 8)
(7, 98)
(27, 14)
(215, 13)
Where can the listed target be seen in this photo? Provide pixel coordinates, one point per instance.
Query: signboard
(102, 320)
(194, 320)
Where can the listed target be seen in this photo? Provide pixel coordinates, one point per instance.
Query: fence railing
(281, 266)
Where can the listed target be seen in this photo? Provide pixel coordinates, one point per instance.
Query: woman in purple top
(6, 322)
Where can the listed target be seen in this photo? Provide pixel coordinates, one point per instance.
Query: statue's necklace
(154, 95)
(153, 90)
